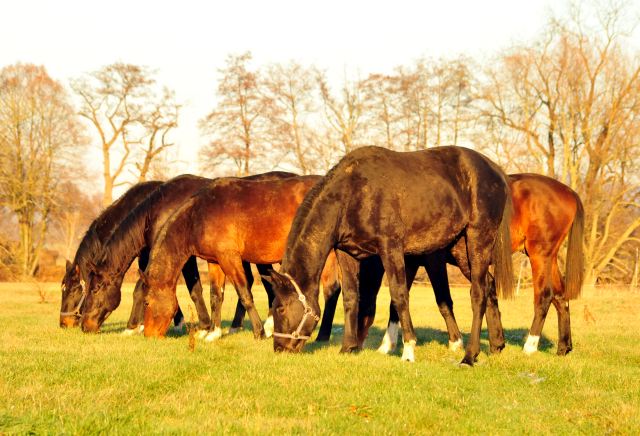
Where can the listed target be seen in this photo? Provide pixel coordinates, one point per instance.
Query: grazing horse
(545, 212)
(380, 202)
(133, 237)
(77, 273)
(227, 222)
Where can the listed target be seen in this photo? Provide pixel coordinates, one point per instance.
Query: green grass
(55, 381)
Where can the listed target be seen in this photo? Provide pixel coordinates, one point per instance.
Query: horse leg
(330, 280)
(236, 270)
(390, 339)
(194, 285)
(217, 279)
(268, 324)
(371, 273)
(562, 306)
(392, 255)
(238, 319)
(479, 246)
(350, 268)
(541, 267)
(136, 320)
(436, 265)
(494, 322)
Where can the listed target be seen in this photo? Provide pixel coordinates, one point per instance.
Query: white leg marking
(141, 329)
(202, 334)
(129, 332)
(390, 338)
(407, 353)
(179, 326)
(532, 345)
(455, 346)
(215, 334)
(268, 326)
(233, 330)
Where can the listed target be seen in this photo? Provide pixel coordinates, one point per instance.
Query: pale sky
(188, 41)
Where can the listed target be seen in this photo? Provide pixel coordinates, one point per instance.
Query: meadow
(60, 381)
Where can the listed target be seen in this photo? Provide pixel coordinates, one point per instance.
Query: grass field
(55, 381)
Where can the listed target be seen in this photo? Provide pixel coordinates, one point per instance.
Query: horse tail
(501, 255)
(575, 259)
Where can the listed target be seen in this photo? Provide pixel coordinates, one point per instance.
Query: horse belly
(435, 231)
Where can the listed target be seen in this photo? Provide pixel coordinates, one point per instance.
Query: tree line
(565, 104)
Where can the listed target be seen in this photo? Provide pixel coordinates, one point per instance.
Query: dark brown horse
(77, 274)
(133, 237)
(227, 222)
(379, 202)
(545, 212)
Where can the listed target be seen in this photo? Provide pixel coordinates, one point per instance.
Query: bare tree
(112, 99)
(38, 133)
(344, 113)
(157, 121)
(237, 126)
(573, 97)
(291, 89)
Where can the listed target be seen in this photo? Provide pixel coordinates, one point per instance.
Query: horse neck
(89, 248)
(171, 248)
(309, 244)
(126, 242)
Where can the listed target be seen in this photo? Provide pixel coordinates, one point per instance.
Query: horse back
(544, 209)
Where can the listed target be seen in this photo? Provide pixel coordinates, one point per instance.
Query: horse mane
(89, 247)
(128, 239)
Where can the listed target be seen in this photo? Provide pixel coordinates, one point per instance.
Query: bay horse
(77, 273)
(546, 212)
(133, 237)
(380, 202)
(227, 222)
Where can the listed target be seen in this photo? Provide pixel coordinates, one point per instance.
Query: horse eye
(146, 304)
(280, 310)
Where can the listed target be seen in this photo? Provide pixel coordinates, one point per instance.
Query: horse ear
(90, 265)
(144, 277)
(69, 265)
(281, 284)
(267, 278)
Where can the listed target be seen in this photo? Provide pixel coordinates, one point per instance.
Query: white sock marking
(233, 330)
(215, 334)
(179, 326)
(268, 327)
(532, 345)
(141, 329)
(202, 334)
(390, 338)
(407, 353)
(128, 332)
(455, 346)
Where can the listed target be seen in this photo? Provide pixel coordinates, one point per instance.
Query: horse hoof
(129, 332)
(532, 345)
(408, 352)
(215, 334)
(455, 346)
(179, 326)
(268, 326)
(202, 334)
(141, 329)
(463, 364)
(323, 338)
(233, 330)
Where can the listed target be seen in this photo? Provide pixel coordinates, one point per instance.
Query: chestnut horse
(380, 202)
(133, 237)
(545, 212)
(77, 273)
(227, 222)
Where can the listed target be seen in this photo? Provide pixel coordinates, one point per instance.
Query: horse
(227, 222)
(546, 212)
(77, 273)
(380, 202)
(132, 238)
